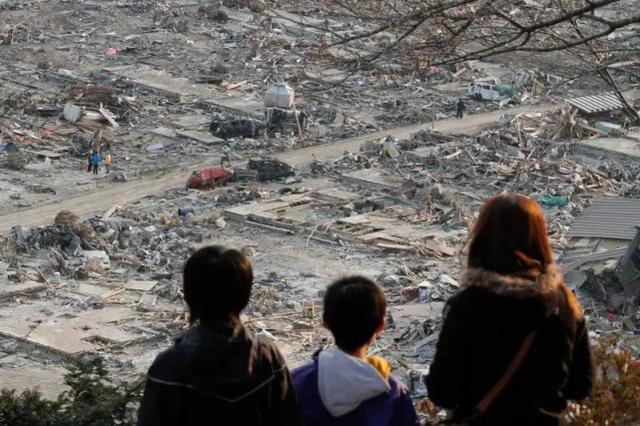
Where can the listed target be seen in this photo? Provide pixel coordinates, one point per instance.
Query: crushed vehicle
(227, 129)
(208, 178)
(271, 169)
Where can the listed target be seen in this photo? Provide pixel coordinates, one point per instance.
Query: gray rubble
(339, 171)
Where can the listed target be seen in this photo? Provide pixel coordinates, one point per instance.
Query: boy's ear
(382, 326)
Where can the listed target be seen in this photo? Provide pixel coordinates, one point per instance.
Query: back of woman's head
(510, 237)
(217, 283)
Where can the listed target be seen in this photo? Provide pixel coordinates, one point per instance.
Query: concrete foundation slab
(191, 122)
(68, 333)
(388, 228)
(270, 209)
(59, 336)
(179, 89)
(403, 315)
(627, 147)
(376, 178)
(49, 379)
(335, 195)
(203, 137)
(12, 290)
(140, 285)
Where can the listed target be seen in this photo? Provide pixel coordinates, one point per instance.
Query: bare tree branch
(437, 32)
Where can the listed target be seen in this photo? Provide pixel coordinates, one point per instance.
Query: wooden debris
(108, 115)
(113, 292)
(232, 86)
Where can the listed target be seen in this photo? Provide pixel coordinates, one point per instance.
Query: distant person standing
(461, 108)
(225, 159)
(90, 162)
(106, 155)
(96, 159)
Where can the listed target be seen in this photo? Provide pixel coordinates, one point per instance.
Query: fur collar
(547, 287)
(512, 285)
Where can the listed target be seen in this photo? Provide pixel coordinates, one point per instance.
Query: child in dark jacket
(344, 386)
(218, 372)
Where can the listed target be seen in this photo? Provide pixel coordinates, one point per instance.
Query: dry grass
(616, 395)
(16, 160)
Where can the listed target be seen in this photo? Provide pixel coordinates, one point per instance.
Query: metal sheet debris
(613, 218)
(367, 170)
(596, 103)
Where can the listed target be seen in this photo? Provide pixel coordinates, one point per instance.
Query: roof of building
(610, 218)
(596, 103)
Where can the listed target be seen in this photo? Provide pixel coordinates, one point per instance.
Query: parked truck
(491, 90)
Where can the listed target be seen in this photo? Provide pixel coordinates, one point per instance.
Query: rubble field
(227, 126)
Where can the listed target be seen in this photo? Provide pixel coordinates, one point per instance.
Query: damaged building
(602, 256)
(226, 124)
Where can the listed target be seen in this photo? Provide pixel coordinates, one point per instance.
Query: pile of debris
(280, 118)
(100, 97)
(579, 119)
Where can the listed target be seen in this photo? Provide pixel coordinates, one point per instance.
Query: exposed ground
(103, 199)
(387, 182)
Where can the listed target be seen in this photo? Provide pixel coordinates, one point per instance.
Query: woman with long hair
(514, 347)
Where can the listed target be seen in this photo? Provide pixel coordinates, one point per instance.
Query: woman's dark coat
(485, 325)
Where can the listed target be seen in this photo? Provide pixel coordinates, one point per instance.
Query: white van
(486, 90)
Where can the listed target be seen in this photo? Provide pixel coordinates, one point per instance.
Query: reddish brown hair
(510, 237)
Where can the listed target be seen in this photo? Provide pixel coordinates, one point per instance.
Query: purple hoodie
(340, 390)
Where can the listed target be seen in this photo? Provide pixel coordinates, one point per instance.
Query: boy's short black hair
(354, 308)
(217, 283)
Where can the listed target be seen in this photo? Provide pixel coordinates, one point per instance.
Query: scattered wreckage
(280, 116)
(209, 178)
(263, 170)
(399, 208)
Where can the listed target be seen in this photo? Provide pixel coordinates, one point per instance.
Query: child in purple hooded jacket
(344, 386)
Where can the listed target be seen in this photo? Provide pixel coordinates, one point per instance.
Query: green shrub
(27, 409)
(92, 399)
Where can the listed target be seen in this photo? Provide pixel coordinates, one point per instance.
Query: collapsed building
(602, 256)
(355, 171)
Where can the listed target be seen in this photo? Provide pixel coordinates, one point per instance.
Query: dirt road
(87, 204)
(300, 158)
